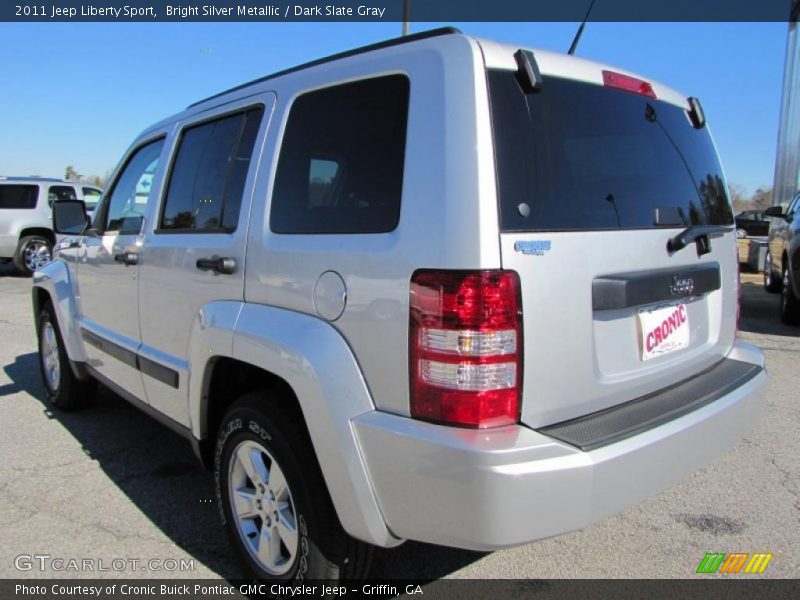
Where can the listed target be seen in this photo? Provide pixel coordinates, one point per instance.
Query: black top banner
(393, 10)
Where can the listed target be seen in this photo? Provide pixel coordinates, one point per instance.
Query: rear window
(18, 196)
(584, 157)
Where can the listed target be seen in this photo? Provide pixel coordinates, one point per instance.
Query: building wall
(787, 166)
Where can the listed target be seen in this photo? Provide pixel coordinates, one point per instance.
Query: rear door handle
(127, 258)
(221, 264)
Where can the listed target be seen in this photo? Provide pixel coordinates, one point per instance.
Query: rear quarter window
(340, 168)
(18, 196)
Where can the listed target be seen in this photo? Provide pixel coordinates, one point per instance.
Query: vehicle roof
(423, 35)
(13, 178)
(232, 92)
(496, 55)
(29, 179)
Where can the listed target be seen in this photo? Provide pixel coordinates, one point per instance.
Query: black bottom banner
(442, 589)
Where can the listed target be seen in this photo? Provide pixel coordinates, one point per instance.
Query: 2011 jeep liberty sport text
(438, 289)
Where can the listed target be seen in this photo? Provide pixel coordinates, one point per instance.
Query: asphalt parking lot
(109, 483)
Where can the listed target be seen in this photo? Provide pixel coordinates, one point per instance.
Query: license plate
(663, 329)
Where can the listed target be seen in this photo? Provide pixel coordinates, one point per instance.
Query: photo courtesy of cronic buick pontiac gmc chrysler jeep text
(435, 289)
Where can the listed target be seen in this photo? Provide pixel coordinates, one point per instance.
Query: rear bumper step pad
(625, 420)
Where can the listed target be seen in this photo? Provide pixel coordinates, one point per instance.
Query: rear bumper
(488, 490)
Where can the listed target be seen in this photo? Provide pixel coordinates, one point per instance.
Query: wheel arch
(40, 231)
(225, 379)
(314, 375)
(55, 283)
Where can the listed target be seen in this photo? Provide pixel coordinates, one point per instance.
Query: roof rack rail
(30, 178)
(361, 50)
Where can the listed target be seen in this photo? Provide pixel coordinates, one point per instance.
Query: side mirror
(69, 217)
(774, 211)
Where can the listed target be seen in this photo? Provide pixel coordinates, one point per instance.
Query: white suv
(437, 289)
(26, 225)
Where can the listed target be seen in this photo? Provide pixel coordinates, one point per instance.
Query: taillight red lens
(466, 347)
(618, 81)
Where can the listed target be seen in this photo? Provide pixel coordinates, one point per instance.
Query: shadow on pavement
(760, 312)
(157, 470)
(9, 270)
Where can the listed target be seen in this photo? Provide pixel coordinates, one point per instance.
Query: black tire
(65, 391)
(790, 303)
(323, 549)
(26, 246)
(772, 282)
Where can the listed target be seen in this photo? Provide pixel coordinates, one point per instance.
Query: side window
(18, 196)
(207, 180)
(60, 192)
(126, 203)
(340, 168)
(91, 196)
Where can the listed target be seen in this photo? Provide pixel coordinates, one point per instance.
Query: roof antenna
(577, 38)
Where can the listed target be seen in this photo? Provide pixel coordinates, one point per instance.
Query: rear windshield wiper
(698, 234)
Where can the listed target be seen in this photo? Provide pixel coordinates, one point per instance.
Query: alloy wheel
(51, 362)
(37, 254)
(263, 508)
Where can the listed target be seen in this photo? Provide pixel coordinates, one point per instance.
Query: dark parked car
(782, 262)
(751, 223)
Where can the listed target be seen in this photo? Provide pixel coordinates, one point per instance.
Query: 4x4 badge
(681, 286)
(535, 247)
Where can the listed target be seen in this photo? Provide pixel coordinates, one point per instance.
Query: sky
(79, 93)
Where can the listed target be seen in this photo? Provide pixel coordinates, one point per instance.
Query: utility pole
(406, 16)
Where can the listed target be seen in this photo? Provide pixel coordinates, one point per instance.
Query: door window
(126, 203)
(207, 181)
(60, 192)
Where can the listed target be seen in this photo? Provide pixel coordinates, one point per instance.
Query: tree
(70, 174)
(762, 198)
(738, 199)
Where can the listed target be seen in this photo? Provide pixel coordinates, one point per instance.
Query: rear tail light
(618, 81)
(466, 347)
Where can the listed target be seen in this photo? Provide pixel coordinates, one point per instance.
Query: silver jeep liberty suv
(438, 289)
